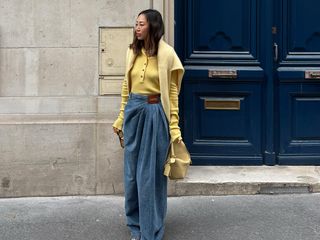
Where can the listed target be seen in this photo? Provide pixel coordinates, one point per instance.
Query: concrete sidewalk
(244, 180)
(246, 217)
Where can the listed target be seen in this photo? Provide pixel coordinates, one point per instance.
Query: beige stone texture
(16, 24)
(47, 105)
(45, 23)
(48, 72)
(12, 72)
(68, 72)
(110, 161)
(64, 158)
(104, 13)
(56, 133)
(48, 159)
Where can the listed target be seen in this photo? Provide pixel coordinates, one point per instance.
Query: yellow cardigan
(168, 65)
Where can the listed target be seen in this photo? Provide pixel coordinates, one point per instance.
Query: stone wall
(55, 130)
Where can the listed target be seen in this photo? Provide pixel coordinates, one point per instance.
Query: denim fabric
(146, 137)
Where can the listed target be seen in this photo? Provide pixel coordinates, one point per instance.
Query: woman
(149, 118)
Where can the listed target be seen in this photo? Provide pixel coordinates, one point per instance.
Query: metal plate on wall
(114, 42)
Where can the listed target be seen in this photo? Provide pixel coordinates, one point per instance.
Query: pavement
(233, 217)
(247, 180)
(212, 202)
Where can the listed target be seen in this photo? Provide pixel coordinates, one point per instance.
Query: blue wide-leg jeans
(146, 137)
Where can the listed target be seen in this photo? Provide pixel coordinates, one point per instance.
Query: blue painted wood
(215, 31)
(218, 37)
(298, 115)
(278, 116)
(301, 32)
(266, 39)
(223, 132)
(295, 74)
(300, 104)
(244, 73)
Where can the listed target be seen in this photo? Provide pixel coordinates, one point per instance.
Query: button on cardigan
(170, 72)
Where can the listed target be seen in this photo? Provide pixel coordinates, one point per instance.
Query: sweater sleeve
(124, 99)
(174, 108)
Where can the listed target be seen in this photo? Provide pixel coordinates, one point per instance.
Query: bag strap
(170, 161)
(172, 150)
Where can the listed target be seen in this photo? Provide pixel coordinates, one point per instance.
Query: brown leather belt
(152, 99)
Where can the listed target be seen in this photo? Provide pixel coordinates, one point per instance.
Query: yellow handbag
(178, 162)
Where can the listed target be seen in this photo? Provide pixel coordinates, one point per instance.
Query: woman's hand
(116, 130)
(120, 135)
(179, 140)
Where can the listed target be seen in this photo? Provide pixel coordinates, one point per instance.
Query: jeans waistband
(151, 99)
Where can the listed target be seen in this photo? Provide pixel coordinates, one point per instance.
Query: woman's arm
(175, 132)
(117, 125)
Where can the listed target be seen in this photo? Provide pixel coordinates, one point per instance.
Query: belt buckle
(153, 99)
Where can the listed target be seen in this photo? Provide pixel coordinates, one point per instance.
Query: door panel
(301, 32)
(212, 33)
(298, 90)
(224, 123)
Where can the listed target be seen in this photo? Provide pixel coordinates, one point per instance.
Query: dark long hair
(156, 31)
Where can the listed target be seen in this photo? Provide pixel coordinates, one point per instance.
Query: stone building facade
(60, 77)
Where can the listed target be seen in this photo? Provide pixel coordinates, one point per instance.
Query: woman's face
(142, 27)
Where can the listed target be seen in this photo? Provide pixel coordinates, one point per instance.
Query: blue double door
(251, 91)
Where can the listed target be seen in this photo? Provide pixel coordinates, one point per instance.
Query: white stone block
(19, 70)
(35, 23)
(43, 180)
(110, 161)
(68, 71)
(86, 18)
(84, 71)
(12, 72)
(48, 159)
(16, 23)
(47, 105)
(51, 23)
(47, 144)
(121, 12)
(108, 109)
(49, 72)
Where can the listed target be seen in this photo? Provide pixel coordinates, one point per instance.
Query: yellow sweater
(170, 72)
(144, 75)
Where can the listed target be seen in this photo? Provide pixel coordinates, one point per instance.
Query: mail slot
(312, 74)
(222, 73)
(222, 103)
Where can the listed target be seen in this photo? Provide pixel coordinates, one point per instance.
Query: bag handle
(172, 150)
(170, 161)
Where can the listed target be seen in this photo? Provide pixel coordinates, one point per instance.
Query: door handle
(276, 52)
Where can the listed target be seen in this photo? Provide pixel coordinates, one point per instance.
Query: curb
(247, 181)
(220, 189)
